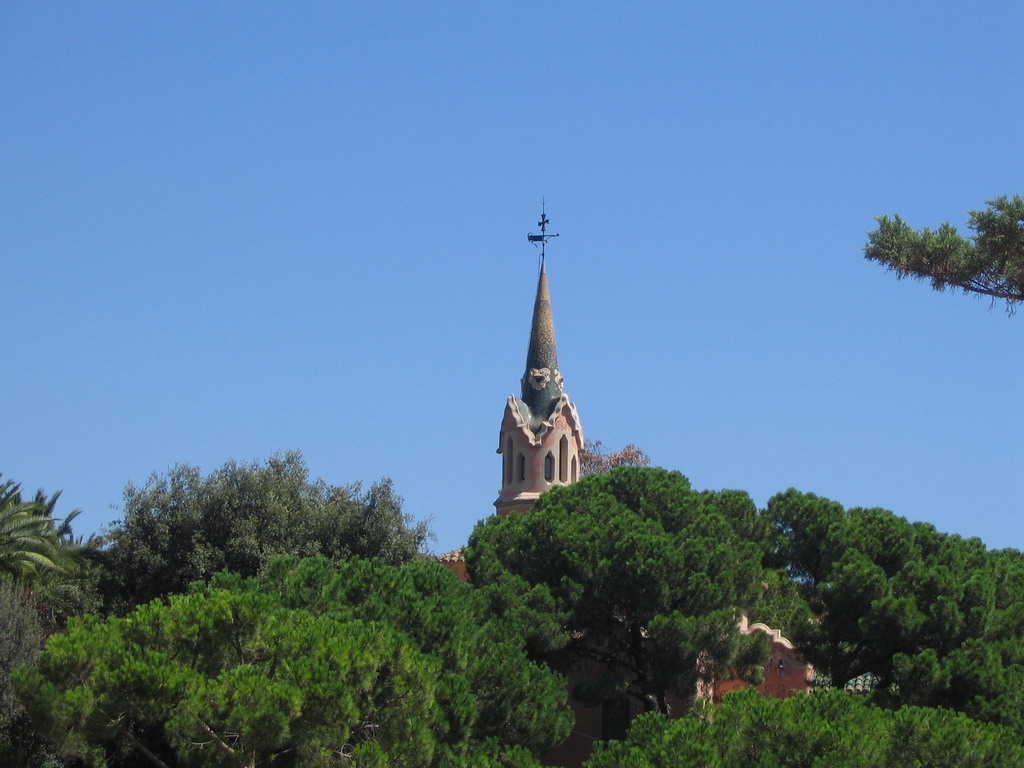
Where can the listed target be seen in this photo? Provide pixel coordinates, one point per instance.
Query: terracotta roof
(865, 683)
(454, 556)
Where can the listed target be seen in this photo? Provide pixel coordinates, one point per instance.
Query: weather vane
(543, 237)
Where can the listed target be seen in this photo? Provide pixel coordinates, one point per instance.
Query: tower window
(575, 472)
(522, 467)
(563, 459)
(507, 461)
(549, 467)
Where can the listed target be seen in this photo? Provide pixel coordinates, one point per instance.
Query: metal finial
(543, 237)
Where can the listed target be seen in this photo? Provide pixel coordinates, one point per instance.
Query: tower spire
(541, 437)
(542, 383)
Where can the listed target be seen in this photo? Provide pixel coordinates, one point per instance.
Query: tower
(541, 437)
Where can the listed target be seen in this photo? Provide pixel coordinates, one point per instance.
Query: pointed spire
(542, 383)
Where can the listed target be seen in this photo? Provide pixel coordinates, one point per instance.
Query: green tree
(645, 577)
(40, 552)
(782, 603)
(937, 620)
(21, 636)
(989, 263)
(32, 541)
(184, 526)
(834, 729)
(316, 663)
(480, 635)
(45, 576)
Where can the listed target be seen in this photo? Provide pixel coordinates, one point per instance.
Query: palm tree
(32, 541)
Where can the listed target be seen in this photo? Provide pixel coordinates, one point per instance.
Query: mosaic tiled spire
(542, 383)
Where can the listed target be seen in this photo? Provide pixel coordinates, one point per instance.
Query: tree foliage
(45, 576)
(990, 262)
(316, 663)
(629, 579)
(40, 552)
(644, 574)
(32, 541)
(21, 636)
(937, 620)
(827, 729)
(184, 526)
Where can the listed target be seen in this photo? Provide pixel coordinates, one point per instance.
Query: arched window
(574, 475)
(522, 467)
(563, 460)
(507, 469)
(549, 467)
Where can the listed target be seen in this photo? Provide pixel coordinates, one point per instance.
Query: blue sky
(231, 229)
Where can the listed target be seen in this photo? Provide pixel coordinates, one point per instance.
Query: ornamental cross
(543, 237)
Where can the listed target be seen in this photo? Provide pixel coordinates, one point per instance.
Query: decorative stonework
(538, 378)
(564, 416)
(786, 673)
